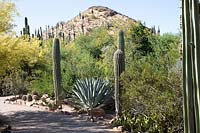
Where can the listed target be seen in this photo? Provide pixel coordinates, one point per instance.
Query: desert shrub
(152, 88)
(81, 58)
(17, 71)
(43, 84)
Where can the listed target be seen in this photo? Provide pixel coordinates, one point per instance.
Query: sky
(161, 13)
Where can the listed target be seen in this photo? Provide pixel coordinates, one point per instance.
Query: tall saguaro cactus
(56, 69)
(119, 67)
(191, 65)
(121, 45)
(26, 29)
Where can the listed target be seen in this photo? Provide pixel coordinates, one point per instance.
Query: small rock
(45, 96)
(29, 98)
(112, 120)
(48, 100)
(120, 128)
(115, 128)
(40, 102)
(24, 97)
(19, 101)
(35, 97)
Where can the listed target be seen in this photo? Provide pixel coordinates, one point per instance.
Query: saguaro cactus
(191, 66)
(56, 69)
(119, 67)
(26, 29)
(26, 26)
(121, 45)
(41, 35)
(121, 40)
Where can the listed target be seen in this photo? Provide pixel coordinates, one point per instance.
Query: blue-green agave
(91, 93)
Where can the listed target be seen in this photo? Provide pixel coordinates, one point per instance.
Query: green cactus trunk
(191, 68)
(56, 69)
(119, 67)
(122, 45)
(26, 26)
(41, 35)
(26, 29)
(121, 41)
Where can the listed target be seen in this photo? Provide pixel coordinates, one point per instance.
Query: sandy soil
(26, 119)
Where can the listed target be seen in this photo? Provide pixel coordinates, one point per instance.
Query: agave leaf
(92, 92)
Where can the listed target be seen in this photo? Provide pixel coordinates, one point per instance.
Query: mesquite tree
(191, 65)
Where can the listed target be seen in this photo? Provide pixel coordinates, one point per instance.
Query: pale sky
(162, 13)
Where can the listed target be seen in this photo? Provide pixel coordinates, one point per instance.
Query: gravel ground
(26, 119)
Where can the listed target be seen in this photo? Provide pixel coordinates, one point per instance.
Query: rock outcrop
(83, 23)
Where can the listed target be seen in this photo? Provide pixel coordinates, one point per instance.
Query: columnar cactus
(121, 45)
(69, 38)
(191, 66)
(121, 40)
(35, 33)
(74, 35)
(38, 34)
(46, 33)
(82, 28)
(119, 67)
(56, 69)
(26, 29)
(26, 26)
(41, 35)
(63, 37)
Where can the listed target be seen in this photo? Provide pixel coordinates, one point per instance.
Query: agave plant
(92, 93)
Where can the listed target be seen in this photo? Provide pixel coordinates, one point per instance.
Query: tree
(7, 12)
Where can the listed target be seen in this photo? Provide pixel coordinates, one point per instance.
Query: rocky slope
(84, 22)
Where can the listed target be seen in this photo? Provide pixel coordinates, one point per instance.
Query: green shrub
(43, 85)
(152, 87)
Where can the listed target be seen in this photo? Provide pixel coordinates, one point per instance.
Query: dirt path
(26, 119)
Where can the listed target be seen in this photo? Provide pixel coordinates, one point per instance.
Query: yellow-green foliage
(20, 58)
(7, 11)
(15, 51)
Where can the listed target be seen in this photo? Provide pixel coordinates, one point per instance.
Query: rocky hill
(84, 22)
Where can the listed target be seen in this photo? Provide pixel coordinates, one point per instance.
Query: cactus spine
(56, 69)
(119, 67)
(191, 66)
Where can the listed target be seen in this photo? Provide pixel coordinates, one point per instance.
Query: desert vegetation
(138, 68)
